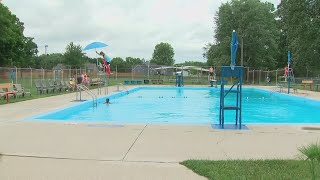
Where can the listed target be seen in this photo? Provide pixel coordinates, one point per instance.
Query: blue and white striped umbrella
(234, 47)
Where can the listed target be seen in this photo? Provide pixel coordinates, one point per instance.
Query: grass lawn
(253, 169)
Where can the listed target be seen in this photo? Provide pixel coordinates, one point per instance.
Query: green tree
(255, 24)
(163, 54)
(130, 61)
(119, 64)
(299, 22)
(30, 53)
(74, 56)
(50, 61)
(92, 60)
(15, 48)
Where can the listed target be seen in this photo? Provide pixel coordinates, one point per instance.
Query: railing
(118, 87)
(90, 93)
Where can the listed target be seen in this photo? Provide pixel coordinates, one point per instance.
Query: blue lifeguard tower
(179, 79)
(236, 72)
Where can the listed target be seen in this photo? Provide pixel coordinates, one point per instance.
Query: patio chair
(38, 86)
(52, 85)
(2, 93)
(58, 85)
(68, 85)
(16, 93)
(280, 86)
(45, 87)
(63, 85)
(19, 88)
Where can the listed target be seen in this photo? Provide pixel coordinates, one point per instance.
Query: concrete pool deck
(58, 150)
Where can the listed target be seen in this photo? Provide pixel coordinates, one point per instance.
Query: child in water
(107, 101)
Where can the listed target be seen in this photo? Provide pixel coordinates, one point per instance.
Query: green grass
(252, 169)
(34, 95)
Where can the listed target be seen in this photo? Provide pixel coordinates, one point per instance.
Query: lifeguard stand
(179, 79)
(104, 79)
(290, 78)
(236, 72)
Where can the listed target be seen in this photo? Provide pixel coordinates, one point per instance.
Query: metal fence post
(253, 77)
(259, 76)
(131, 72)
(42, 73)
(16, 75)
(31, 76)
(276, 76)
(149, 70)
(116, 72)
(248, 75)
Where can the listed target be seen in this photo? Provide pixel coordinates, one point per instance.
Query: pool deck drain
(55, 150)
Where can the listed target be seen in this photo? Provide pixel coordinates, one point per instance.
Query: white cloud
(129, 27)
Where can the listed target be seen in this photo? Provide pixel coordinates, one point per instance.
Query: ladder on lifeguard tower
(236, 88)
(101, 74)
(291, 75)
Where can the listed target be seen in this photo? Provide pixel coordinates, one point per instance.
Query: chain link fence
(152, 73)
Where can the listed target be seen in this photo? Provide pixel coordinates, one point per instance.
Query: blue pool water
(190, 106)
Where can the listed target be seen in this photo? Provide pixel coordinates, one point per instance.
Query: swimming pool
(190, 106)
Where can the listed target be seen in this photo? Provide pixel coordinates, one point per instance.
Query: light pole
(45, 49)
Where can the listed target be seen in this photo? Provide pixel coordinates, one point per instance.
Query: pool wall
(61, 113)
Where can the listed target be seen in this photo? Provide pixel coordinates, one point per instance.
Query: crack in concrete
(218, 143)
(134, 142)
(83, 159)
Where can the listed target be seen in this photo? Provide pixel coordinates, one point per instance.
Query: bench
(154, 81)
(146, 81)
(317, 85)
(306, 83)
(96, 81)
(126, 82)
(7, 86)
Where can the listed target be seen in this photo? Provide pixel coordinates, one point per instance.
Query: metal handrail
(88, 91)
(120, 84)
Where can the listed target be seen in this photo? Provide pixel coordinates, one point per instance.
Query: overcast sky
(129, 27)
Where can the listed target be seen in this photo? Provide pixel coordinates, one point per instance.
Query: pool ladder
(118, 87)
(88, 91)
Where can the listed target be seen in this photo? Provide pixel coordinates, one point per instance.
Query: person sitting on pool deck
(107, 101)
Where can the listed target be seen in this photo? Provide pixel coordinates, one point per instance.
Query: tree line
(267, 33)
(20, 51)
